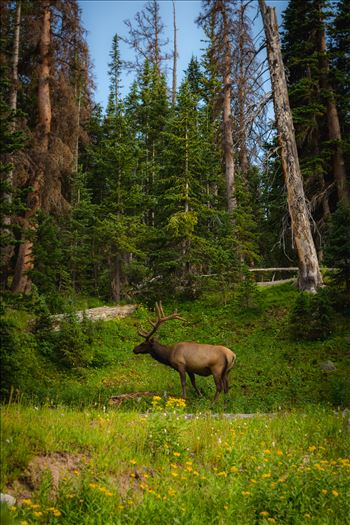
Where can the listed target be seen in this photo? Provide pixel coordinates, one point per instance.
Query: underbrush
(95, 467)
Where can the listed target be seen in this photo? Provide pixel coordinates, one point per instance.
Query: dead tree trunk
(309, 273)
(174, 57)
(8, 249)
(228, 128)
(241, 100)
(25, 263)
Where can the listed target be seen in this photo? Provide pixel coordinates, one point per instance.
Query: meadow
(277, 450)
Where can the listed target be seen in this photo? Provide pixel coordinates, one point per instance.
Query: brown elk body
(188, 357)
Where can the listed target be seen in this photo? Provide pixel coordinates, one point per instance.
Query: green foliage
(72, 343)
(337, 249)
(311, 317)
(290, 468)
(19, 361)
(246, 293)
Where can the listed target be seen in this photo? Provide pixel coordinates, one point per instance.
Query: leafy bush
(19, 364)
(311, 317)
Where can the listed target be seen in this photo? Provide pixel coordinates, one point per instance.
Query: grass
(292, 468)
(71, 458)
(272, 370)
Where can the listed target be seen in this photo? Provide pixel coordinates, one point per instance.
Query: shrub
(311, 317)
(19, 363)
(72, 342)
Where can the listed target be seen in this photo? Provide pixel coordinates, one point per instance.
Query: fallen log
(101, 313)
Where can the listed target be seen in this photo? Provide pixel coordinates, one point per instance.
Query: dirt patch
(135, 480)
(59, 466)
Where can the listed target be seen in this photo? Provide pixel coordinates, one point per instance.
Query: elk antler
(161, 318)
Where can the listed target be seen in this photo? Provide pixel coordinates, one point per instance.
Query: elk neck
(161, 353)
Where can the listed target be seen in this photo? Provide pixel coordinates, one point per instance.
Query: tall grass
(290, 468)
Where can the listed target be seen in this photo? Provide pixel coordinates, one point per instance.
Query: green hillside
(70, 457)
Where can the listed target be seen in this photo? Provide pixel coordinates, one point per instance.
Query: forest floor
(70, 457)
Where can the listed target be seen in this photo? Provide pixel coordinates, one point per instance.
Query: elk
(188, 357)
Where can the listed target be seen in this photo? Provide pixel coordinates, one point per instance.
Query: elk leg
(193, 381)
(218, 383)
(225, 382)
(182, 373)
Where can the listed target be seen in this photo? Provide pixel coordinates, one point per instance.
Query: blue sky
(103, 18)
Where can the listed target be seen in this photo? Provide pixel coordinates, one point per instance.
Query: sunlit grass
(157, 468)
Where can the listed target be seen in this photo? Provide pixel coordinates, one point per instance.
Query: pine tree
(312, 99)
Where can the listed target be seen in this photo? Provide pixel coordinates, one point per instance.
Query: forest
(220, 192)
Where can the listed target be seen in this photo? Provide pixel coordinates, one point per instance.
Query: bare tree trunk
(116, 278)
(228, 132)
(334, 132)
(25, 263)
(174, 57)
(309, 273)
(8, 249)
(242, 88)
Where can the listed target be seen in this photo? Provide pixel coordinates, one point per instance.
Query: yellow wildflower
(26, 501)
(264, 513)
(234, 469)
(176, 454)
(222, 474)
(271, 520)
(93, 485)
(174, 474)
(38, 514)
(156, 398)
(266, 475)
(133, 461)
(267, 451)
(324, 491)
(23, 522)
(335, 493)
(56, 513)
(279, 453)
(252, 480)
(312, 448)
(307, 515)
(245, 493)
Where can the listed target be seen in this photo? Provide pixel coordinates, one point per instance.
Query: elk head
(147, 345)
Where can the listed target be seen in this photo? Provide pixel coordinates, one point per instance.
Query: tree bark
(242, 94)
(309, 273)
(334, 133)
(228, 128)
(25, 263)
(116, 278)
(8, 249)
(174, 57)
